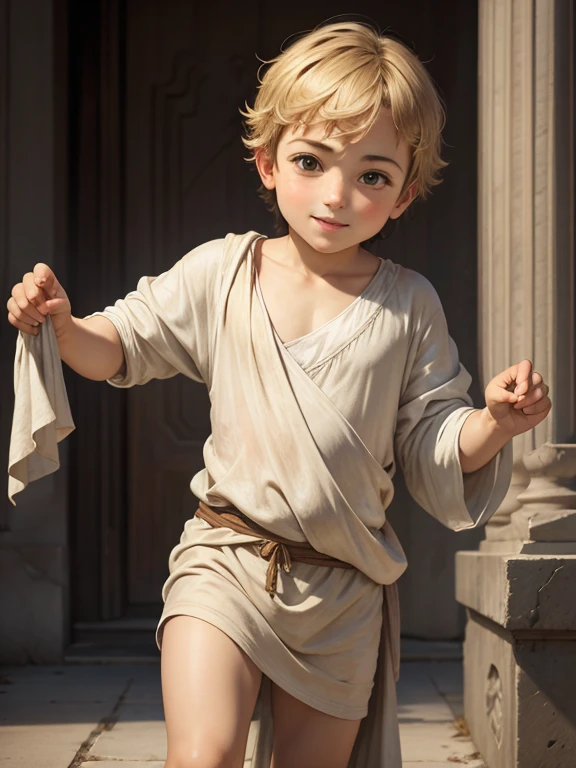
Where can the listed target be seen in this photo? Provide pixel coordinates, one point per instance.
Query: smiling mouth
(330, 222)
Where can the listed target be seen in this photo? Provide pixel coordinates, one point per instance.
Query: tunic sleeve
(433, 408)
(165, 324)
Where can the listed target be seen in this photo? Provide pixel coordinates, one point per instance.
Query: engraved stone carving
(494, 703)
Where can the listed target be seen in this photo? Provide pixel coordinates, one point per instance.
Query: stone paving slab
(428, 764)
(139, 734)
(47, 712)
(429, 701)
(447, 677)
(114, 712)
(433, 742)
(40, 745)
(146, 688)
(130, 764)
(429, 712)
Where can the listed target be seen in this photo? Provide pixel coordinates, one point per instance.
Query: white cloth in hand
(42, 416)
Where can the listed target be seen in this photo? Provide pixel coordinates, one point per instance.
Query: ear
(404, 201)
(265, 166)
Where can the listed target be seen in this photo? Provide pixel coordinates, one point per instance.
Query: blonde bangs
(340, 75)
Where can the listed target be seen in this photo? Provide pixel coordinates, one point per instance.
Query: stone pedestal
(545, 521)
(520, 645)
(520, 657)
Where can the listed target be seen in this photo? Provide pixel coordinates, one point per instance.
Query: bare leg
(308, 738)
(209, 690)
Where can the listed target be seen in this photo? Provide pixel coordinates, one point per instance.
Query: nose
(334, 192)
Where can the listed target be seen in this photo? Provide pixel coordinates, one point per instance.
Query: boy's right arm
(90, 346)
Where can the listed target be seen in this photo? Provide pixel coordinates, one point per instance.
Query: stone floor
(73, 715)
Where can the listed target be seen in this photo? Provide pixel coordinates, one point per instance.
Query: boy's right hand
(39, 294)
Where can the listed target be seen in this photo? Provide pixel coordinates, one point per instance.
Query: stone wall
(33, 201)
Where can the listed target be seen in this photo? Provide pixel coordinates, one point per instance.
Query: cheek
(293, 190)
(373, 209)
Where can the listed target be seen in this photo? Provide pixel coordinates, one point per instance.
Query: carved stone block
(519, 697)
(520, 657)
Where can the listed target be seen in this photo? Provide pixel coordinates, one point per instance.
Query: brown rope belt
(279, 551)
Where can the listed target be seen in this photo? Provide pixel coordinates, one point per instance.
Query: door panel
(185, 69)
(186, 182)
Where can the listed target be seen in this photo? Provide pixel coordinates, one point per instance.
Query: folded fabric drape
(281, 552)
(42, 416)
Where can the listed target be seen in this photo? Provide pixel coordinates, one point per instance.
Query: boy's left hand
(517, 399)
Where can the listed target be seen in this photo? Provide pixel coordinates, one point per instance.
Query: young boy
(325, 366)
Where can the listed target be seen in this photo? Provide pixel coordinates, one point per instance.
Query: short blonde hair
(342, 74)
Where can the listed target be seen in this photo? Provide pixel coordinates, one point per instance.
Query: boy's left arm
(516, 401)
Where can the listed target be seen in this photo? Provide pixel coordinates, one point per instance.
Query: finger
(540, 407)
(498, 392)
(24, 327)
(533, 396)
(58, 306)
(507, 379)
(29, 297)
(523, 374)
(23, 311)
(45, 278)
(537, 378)
(507, 396)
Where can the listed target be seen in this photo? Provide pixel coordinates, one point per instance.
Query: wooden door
(183, 70)
(186, 183)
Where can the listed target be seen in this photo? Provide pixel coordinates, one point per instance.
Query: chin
(321, 246)
(326, 244)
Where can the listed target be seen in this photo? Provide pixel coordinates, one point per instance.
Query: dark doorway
(158, 168)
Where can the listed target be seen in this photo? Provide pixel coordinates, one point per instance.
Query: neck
(299, 255)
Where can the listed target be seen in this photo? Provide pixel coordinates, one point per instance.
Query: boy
(325, 366)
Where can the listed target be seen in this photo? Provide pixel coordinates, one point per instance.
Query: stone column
(520, 648)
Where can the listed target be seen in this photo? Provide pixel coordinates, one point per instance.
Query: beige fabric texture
(305, 440)
(42, 415)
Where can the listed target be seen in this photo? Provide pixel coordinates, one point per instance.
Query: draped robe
(306, 437)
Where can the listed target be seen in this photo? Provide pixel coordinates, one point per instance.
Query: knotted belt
(279, 551)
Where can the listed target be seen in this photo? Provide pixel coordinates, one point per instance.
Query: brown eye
(373, 179)
(306, 163)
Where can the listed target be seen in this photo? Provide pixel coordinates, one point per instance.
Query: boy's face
(335, 193)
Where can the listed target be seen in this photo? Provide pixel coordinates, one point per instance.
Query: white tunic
(305, 441)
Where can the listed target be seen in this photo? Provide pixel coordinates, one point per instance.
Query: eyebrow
(368, 158)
